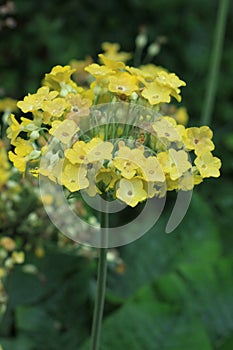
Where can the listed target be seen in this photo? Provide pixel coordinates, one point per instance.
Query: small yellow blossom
(181, 115)
(80, 106)
(131, 191)
(22, 151)
(51, 166)
(74, 177)
(175, 163)
(14, 128)
(112, 52)
(64, 131)
(98, 150)
(123, 83)
(151, 71)
(208, 165)
(55, 107)
(155, 189)
(108, 177)
(8, 105)
(186, 181)
(60, 79)
(39, 252)
(18, 257)
(115, 65)
(7, 243)
(128, 161)
(199, 139)
(33, 102)
(171, 81)
(166, 128)
(99, 71)
(2, 274)
(77, 154)
(152, 170)
(18, 161)
(23, 147)
(155, 94)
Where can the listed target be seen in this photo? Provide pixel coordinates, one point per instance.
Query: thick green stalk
(211, 87)
(101, 285)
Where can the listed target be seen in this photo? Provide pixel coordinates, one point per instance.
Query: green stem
(101, 286)
(217, 49)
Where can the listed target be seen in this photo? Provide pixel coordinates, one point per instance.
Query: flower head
(131, 191)
(208, 165)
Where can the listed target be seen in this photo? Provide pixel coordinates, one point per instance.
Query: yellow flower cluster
(131, 158)
(5, 172)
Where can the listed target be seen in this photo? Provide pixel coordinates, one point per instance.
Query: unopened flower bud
(134, 96)
(141, 40)
(34, 135)
(153, 49)
(34, 155)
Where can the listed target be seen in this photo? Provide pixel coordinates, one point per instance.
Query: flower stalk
(101, 286)
(211, 87)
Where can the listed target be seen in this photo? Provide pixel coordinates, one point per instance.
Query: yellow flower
(8, 105)
(64, 131)
(74, 177)
(150, 71)
(171, 81)
(33, 102)
(77, 154)
(18, 257)
(186, 182)
(152, 170)
(128, 161)
(14, 128)
(3, 156)
(208, 165)
(4, 176)
(166, 128)
(108, 177)
(51, 166)
(175, 163)
(141, 76)
(99, 71)
(56, 107)
(59, 79)
(199, 139)
(155, 189)
(155, 93)
(80, 106)
(181, 115)
(21, 156)
(111, 52)
(123, 83)
(18, 161)
(7, 243)
(131, 191)
(98, 150)
(115, 65)
(23, 147)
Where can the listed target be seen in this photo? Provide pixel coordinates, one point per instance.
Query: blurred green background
(164, 291)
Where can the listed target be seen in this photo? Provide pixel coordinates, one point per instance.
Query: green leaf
(205, 290)
(211, 288)
(32, 318)
(20, 343)
(156, 253)
(150, 326)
